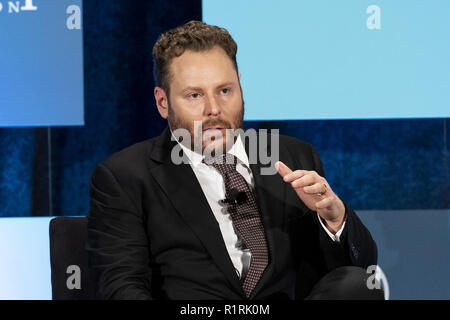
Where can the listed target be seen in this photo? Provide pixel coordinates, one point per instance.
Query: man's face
(205, 87)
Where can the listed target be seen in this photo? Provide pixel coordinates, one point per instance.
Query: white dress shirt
(213, 186)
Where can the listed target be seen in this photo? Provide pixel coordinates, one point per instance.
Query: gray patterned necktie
(245, 216)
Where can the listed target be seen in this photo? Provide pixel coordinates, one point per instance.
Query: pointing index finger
(282, 168)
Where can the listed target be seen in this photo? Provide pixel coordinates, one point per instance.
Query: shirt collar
(237, 149)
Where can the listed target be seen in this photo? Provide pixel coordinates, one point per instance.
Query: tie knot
(223, 159)
(224, 163)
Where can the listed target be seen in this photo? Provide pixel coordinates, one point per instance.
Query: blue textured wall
(380, 164)
(16, 171)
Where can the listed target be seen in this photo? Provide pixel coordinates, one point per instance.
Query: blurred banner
(41, 63)
(330, 59)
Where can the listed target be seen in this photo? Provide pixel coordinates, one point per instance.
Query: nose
(212, 107)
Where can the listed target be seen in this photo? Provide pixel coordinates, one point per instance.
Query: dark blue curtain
(372, 164)
(380, 164)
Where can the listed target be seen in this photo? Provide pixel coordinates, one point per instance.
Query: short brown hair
(195, 36)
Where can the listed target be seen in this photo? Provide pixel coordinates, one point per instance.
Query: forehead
(202, 68)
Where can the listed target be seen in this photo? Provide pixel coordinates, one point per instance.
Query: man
(206, 229)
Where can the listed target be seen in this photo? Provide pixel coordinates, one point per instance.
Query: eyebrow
(200, 89)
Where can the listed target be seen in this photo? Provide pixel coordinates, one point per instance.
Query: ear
(239, 76)
(161, 102)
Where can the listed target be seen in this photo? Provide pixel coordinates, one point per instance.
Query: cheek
(188, 110)
(230, 102)
(237, 100)
(235, 105)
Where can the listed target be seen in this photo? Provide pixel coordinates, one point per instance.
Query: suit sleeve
(117, 242)
(356, 247)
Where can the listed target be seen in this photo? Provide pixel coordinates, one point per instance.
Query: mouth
(214, 128)
(214, 133)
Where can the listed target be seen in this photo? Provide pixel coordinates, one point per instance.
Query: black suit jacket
(152, 234)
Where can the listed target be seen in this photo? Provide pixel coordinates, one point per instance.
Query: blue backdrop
(375, 165)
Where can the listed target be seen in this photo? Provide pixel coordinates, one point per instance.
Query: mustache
(216, 122)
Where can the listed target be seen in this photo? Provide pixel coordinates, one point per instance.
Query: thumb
(282, 168)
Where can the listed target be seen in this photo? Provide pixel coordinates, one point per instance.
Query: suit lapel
(184, 191)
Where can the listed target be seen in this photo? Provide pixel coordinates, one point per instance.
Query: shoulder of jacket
(290, 142)
(131, 158)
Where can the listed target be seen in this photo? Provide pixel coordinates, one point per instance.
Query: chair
(69, 259)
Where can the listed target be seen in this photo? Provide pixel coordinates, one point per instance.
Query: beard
(177, 122)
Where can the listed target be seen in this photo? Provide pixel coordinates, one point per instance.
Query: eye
(194, 95)
(225, 90)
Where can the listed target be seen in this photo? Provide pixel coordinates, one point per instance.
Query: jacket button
(354, 251)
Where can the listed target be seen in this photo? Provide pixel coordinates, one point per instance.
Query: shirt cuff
(334, 237)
